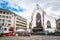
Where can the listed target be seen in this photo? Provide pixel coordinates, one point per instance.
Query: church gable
(38, 9)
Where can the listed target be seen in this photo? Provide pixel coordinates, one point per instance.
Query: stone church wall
(52, 21)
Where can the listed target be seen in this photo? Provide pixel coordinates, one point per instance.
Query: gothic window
(38, 20)
(48, 24)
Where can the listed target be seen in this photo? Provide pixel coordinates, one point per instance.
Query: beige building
(10, 19)
(20, 22)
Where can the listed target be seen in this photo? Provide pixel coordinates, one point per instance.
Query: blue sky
(4, 4)
(25, 7)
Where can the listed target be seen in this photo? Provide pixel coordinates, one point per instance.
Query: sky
(25, 7)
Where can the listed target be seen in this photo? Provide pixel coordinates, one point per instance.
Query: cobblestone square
(33, 37)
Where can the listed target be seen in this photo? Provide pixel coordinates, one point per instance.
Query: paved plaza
(32, 37)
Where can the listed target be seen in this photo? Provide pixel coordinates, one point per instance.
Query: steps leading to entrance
(37, 31)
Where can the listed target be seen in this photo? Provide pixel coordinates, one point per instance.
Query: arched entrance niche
(38, 20)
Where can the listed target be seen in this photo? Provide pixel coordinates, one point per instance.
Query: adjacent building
(20, 22)
(58, 25)
(10, 19)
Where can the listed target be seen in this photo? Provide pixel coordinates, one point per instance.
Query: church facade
(40, 21)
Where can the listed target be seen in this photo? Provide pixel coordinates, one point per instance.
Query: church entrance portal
(38, 20)
(38, 27)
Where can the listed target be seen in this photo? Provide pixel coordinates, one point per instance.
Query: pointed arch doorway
(38, 27)
(38, 21)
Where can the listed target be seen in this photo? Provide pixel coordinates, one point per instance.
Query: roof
(5, 10)
(39, 7)
(58, 19)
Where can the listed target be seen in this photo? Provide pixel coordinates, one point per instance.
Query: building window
(0, 19)
(7, 12)
(3, 16)
(3, 12)
(38, 20)
(6, 16)
(48, 24)
(0, 27)
(3, 24)
(0, 15)
(5, 29)
(10, 17)
(3, 20)
(0, 11)
(9, 24)
(9, 20)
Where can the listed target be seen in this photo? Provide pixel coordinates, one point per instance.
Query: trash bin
(46, 32)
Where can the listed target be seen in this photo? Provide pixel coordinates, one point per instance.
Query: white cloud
(28, 12)
(49, 6)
